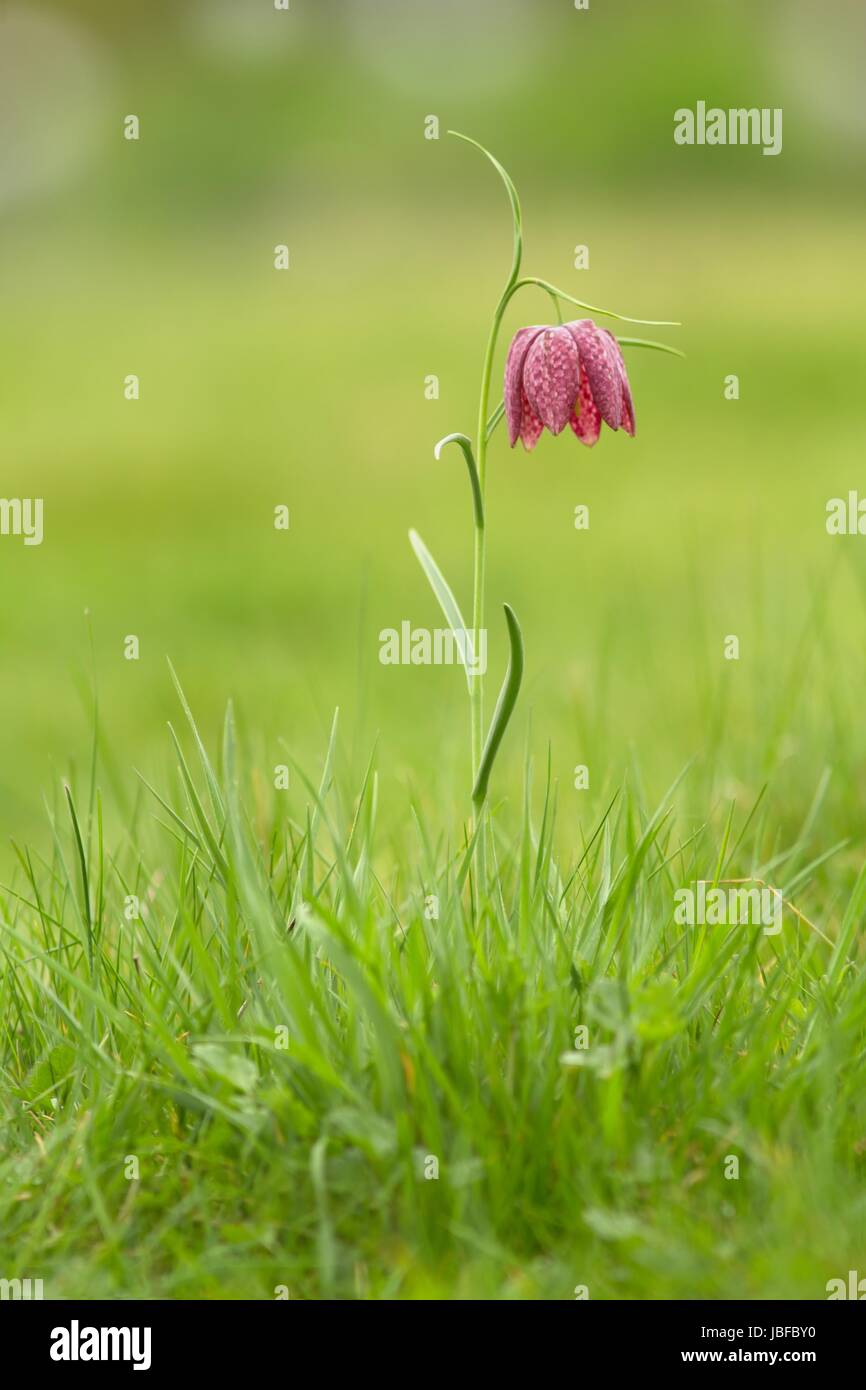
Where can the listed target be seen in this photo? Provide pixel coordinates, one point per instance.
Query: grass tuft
(248, 1048)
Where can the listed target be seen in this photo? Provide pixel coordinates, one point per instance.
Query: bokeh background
(306, 388)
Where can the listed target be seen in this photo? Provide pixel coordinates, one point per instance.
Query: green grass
(271, 918)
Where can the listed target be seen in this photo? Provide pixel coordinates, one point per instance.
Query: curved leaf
(466, 445)
(504, 706)
(449, 605)
(594, 308)
(513, 199)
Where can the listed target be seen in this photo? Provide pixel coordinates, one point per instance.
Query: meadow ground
(254, 1052)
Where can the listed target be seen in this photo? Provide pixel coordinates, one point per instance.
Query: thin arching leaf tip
(465, 445)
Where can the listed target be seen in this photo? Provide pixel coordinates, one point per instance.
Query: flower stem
(480, 548)
(480, 566)
(480, 533)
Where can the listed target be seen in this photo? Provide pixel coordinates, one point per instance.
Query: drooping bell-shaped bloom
(572, 374)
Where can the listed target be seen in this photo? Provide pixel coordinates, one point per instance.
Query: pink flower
(567, 375)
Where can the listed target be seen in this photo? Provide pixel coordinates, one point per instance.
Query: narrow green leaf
(85, 887)
(504, 705)
(513, 199)
(648, 343)
(210, 775)
(449, 605)
(210, 837)
(594, 308)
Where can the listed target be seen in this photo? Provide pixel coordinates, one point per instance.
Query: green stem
(478, 594)
(495, 418)
(480, 551)
(476, 696)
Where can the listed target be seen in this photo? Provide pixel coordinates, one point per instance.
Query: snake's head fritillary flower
(572, 374)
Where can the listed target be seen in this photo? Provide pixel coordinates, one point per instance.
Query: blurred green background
(307, 387)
